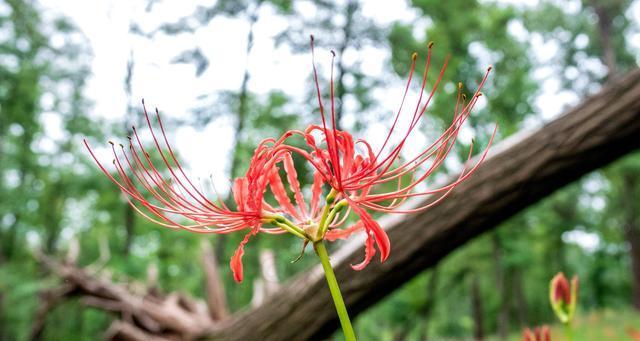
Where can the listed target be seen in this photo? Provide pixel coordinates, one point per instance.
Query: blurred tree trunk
(243, 95)
(477, 310)
(214, 287)
(401, 335)
(566, 211)
(23, 169)
(518, 173)
(11, 240)
(241, 117)
(2, 336)
(629, 179)
(605, 32)
(632, 232)
(54, 202)
(429, 304)
(501, 287)
(347, 29)
(3, 125)
(268, 282)
(521, 305)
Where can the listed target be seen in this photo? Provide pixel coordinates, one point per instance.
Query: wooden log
(214, 287)
(174, 316)
(519, 172)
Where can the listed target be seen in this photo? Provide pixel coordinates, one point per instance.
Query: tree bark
(519, 172)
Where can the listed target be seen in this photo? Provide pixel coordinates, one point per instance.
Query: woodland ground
(603, 325)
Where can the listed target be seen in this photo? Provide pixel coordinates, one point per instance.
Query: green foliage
(473, 36)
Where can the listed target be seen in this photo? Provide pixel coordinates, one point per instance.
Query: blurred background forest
(229, 73)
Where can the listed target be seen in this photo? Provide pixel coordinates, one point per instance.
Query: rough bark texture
(519, 172)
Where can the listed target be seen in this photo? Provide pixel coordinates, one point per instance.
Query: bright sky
(174, 88)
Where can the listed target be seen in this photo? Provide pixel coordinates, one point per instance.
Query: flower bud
(538, 334)
(563, 297)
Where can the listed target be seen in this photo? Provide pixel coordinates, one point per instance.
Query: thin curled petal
(292, 178)
(372, 227)
(236, 260)
(280, 193)
(369, 252)
(336, 234)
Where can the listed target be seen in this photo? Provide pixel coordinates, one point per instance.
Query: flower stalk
(343, 315)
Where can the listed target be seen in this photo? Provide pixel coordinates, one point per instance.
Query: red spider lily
(538, 334)
(356, 178)
(561, 290)
(162, 198)
(563, 297)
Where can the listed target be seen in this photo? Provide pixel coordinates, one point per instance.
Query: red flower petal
(316, 192)
(334, 234)
(236, 260)
(527, 335)
(240, 189)
(369, 252)
(561, 291)
(382, 240)
(280, 193)
(292, 178)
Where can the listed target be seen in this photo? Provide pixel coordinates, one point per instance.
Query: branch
(175, 315)
(216, 298)
(519, 172)
(268, 282)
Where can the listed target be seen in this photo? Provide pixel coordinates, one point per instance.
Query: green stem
(343, 315)
(285, 224)
(323, 225)
(568, 331)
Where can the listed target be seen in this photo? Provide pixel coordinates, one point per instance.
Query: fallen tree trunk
(518, 173)
(143, 316)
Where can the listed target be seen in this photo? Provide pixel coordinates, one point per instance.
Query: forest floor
(609, 325)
